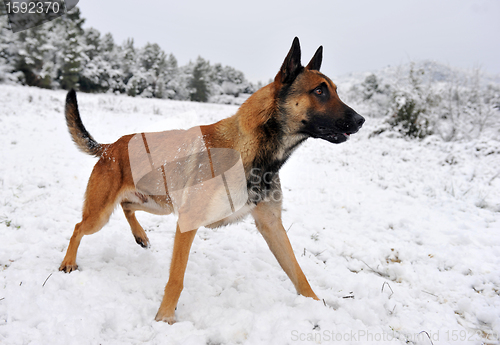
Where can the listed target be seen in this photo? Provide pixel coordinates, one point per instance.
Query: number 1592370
(32, 7)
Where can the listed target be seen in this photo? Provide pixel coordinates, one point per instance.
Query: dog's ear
(291, 66)
(315, 63)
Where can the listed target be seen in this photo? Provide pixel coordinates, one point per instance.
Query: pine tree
(32, 53)
(112, 65)
(370, 86)
(92, 40)
(153, 63)
(199, 80)
(8, 51)
(171, 71)
(70, 68)
(90, 79)
(178, 86)
(71, 50)
(101, 70)
(127, 57)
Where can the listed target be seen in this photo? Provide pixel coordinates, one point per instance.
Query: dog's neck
(257, 110)
(260, 119)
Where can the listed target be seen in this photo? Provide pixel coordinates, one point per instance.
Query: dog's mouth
(333, 136)
(336, 132)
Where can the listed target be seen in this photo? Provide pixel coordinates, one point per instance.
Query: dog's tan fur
(265, 131)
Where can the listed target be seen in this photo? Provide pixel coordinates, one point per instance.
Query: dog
(300, 103)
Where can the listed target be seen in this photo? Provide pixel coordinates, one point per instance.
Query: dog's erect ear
(315, 63)
(291, 66)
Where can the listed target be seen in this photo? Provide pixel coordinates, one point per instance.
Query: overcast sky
(357, 35)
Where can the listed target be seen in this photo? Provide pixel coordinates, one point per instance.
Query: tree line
(61, 54)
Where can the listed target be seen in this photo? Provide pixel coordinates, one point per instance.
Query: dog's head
(309, 102)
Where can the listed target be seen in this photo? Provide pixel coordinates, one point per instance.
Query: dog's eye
(318, 91)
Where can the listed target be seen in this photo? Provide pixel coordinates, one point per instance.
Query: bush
(409, 116)
(412, 105)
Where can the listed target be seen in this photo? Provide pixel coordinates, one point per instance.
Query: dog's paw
(165, 318)
(67, 268)
(142, 241)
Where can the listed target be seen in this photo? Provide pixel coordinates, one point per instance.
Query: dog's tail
(79, 134)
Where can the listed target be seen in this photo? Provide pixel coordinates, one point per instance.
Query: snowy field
(400, 238)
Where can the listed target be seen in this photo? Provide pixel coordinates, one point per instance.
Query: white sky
(357, 35)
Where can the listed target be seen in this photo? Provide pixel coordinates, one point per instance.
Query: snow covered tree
(127, 58)
(370, 86)
(146, 70)
(71, 49)
(8, 51)
(178, 87)
(92, 40)
(199, 80)
(70, 68)
(91, 75)
(101, 70)
(152, 61)
(33, 57)
(171, 71)
(113, 66)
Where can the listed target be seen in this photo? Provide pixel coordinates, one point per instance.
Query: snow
(401, 240)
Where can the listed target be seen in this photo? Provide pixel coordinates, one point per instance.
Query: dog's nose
(358, 120)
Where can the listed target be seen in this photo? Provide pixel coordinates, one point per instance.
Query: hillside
(401, 238)
(426, 97)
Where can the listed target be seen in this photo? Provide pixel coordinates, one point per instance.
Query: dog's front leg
(267, 217)
(182, 245)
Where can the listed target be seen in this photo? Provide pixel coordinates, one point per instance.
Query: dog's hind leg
(100, 200)
(139, 234)
(180, 255)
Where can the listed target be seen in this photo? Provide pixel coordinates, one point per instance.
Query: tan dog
(268, 127)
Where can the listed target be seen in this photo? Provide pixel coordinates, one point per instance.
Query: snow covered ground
(400, 238)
